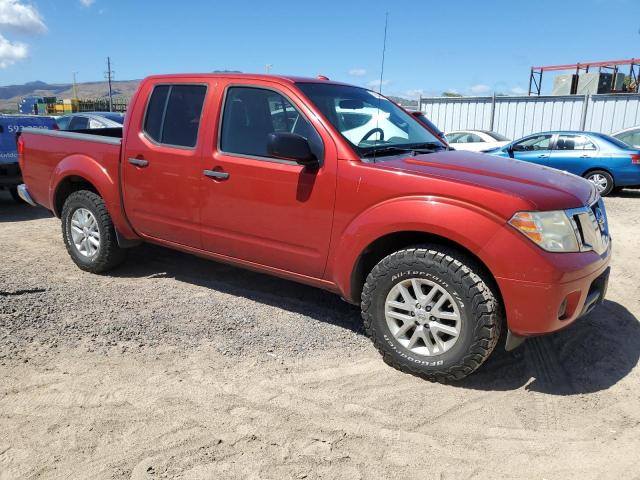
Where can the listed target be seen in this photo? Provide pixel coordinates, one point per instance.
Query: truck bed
(47, 151)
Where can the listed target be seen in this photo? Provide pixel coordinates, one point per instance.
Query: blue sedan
(605, 161)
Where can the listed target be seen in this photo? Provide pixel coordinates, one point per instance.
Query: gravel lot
(176, 367)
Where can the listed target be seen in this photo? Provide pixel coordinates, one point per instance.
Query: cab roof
(243, 76)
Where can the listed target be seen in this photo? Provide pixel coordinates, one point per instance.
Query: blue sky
(472, 47)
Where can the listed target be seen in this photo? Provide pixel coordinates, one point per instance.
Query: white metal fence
(516, 117)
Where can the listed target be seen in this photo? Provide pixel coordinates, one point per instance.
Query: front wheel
(602, 180)
(430, 314)
(89, 234)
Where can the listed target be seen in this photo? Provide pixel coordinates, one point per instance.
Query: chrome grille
(591, 227)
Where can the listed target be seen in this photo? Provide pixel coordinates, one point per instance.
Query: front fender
(104, 181)
(470, 226)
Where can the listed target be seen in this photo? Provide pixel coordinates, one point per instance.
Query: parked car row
(10, 125)
(610, 162)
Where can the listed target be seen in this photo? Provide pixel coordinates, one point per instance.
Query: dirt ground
(175, 367)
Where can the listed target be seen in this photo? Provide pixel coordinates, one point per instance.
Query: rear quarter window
(173, 114)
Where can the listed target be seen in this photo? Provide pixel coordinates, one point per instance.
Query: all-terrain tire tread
(485, 307)
(110, 255)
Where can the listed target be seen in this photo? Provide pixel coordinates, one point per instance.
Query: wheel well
(393, 242)
(66, 187)
(601, 169)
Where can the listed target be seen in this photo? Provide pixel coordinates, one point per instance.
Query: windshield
(373, 125)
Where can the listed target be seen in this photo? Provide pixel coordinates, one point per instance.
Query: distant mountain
(404, 102)
(10, 95)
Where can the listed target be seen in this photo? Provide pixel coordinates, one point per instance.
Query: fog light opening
(562, 311)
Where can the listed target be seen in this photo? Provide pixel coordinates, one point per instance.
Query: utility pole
(75, 88)
(268, 67)
(109, 74)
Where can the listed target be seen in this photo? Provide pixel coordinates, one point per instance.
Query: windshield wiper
(390, 150)
(427, 146)
(412, 148)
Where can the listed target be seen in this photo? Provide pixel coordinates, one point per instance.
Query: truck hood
(543, 187)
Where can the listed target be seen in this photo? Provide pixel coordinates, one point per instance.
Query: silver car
(630, 136)
(90, 120)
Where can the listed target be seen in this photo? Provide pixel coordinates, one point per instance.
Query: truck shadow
(11, 211)
(157, 262)
(591, 355)
(627, 193)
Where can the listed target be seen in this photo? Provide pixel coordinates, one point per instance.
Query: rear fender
(107, 186)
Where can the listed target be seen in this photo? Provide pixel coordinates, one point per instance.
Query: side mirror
(509, 150)
(291, 146)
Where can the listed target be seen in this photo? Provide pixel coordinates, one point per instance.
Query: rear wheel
(602, 180)
(89, 234)
(430, 314)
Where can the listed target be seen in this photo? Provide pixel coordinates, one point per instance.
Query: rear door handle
(216, 174)
(138, 162)
(543, 156)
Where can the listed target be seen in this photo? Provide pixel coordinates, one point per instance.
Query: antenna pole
(384, 49)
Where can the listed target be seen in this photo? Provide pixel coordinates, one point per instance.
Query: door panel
(271, 212)
(534, 149)
(573, 153)
(162, 182)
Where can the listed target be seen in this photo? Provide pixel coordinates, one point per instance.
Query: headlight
(552, 231)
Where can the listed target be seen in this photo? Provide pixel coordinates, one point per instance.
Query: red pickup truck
(334, 186)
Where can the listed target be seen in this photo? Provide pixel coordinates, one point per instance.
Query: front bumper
(23, 193)
(540, 308)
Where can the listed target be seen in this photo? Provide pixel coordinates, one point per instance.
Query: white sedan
(476, 140)
(630, 136)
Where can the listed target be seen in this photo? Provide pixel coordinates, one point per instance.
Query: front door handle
(138, 162)
(543, 156)
(216, 174)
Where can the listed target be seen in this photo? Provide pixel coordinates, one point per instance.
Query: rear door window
(173, 114)
(574, 142)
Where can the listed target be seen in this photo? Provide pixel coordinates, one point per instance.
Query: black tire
(109, 254)
(480, 312)
(607, 176)
(14, 194)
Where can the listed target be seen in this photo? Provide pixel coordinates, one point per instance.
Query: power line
(109, 76)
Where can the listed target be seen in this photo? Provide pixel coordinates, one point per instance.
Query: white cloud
(377, 83)
(357, 72)
(19, 17)
(480, 88)
(518, 91)
(10, 53)
(87, 3)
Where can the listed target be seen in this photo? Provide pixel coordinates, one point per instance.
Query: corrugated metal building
(516, 117)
